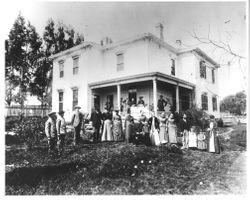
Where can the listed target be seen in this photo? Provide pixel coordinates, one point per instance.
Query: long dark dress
(129, 128)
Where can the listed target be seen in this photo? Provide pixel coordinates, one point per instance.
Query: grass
(120, 168)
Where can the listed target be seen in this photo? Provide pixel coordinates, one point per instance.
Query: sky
(120, 20)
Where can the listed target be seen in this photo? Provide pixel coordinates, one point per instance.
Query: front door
(132, 95)
(97, 101)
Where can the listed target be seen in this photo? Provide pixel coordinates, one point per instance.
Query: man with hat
(96, 119)
(78, 123)
(50, 130)
(161, 103)
(184, 128)
(61, 131)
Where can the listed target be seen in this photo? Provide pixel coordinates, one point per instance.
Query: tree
(235, 104)
(17, 67)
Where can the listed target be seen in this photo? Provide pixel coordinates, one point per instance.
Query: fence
(29, 110)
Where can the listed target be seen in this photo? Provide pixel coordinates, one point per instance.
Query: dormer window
(203, 72)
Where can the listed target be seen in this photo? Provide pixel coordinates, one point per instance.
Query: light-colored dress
(107, 134)
(154, 134)
(172, 131)
(163, 130)
(202, 141)
(117, 128)
(192, 137)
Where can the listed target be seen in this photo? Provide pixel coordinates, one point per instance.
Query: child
(192, 138)
(202, 141)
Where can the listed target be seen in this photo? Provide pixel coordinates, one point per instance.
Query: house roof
(202, 54)
(132, 40)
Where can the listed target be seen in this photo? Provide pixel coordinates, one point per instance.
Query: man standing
(78, 123)
(141, 101)
(184, 128)
(61, 131)
(96, 118)
(161, 103)
(50, 130)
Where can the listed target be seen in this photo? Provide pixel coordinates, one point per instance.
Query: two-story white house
(144, 65)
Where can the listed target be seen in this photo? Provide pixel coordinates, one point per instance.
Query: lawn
(120, 168)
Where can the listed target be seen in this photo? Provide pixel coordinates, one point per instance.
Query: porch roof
(142, 77)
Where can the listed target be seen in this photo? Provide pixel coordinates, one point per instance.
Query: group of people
(109, 126)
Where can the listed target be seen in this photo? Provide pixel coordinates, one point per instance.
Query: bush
(197, 117)
(220, 122)
(31, 130)
(10, 122)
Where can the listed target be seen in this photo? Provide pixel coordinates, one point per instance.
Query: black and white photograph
(125, 98)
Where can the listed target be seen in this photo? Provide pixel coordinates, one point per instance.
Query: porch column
(155, 95)
(119, 96)
(177, 98)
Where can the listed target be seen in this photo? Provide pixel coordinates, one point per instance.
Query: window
(75, 65)
(75, 98)
(203, 73)
(213, 77)
(204, 104)
(173, 67)
(61, 69)
(60, 101)
(120, 61)
(214, 101)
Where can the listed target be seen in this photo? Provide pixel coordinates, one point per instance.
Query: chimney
(159, 30)
(106, 41)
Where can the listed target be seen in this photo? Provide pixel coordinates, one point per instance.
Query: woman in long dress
(117, 127)
(107, 134)
(213, 140)
(129, 127)
(172, 129)
(163, 128)
(154, 128)
(192, 137)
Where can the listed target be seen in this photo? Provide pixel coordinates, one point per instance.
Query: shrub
(220, 122)
(11, 121)
(31, 130)
(197, 117)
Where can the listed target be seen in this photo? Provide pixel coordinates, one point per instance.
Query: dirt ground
(120, 168)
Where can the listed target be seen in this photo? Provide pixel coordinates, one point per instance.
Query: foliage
(197, 117)
(10, 122)
(235, 104)
(30, 130)
(220, 122)
(27, 63)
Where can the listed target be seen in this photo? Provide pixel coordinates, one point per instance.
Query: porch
(178, 93)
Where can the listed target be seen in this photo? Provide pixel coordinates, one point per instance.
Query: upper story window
(173, 67)
(203, 72)
(120, 61)
(214, 101)
(61, 69)
(60, 100)
(204, 102)
(213, 76)
(75, 97)
(75, 65)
